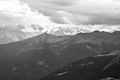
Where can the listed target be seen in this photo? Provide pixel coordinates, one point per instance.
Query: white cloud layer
(103, 15)
(15, 12)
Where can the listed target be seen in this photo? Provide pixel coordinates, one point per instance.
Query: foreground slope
(34, 58)
(101, 67)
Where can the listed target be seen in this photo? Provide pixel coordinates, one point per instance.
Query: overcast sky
(88, 12)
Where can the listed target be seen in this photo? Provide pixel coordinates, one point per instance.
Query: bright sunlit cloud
(20, 13)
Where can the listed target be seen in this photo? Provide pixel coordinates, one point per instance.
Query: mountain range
(39, 56)
(13, 33)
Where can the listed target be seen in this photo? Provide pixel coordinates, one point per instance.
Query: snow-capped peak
(64, 29)
(50, 29)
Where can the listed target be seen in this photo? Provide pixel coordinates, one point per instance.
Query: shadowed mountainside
(102, 67)
(37, 57)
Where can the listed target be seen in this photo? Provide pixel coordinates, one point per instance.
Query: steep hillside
(102, 67)
(41, 55)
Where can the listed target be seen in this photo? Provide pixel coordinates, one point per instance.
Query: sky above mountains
(79, 11)
(75, 12)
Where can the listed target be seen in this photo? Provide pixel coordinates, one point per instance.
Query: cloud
(74, 12)
(59, 2)
(98, 12)
(16, 12)
(89, 12)
(82, 11)
(50, 8)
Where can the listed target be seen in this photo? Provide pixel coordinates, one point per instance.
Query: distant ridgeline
(13, 33)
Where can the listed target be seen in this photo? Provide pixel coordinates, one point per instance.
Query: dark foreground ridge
(101, 67)
(34, 58)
